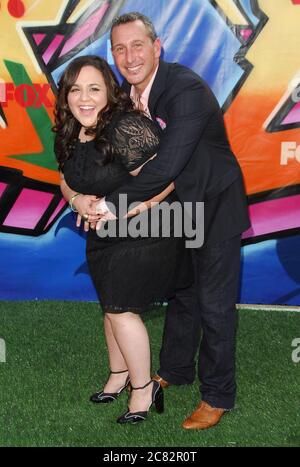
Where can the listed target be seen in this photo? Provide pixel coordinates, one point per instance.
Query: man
(195, 154)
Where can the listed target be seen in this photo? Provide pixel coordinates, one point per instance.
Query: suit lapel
(158, 87)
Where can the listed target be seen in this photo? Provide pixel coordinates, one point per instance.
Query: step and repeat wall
(247, 51)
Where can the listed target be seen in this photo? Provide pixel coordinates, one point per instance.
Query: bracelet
(71, 201)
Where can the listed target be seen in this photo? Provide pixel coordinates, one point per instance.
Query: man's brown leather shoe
(163, 383)
(203, 417)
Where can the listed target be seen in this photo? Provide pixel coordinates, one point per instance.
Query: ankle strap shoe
(107, 397)
(157, 399)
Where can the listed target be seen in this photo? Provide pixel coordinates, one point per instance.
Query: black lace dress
(129, 273)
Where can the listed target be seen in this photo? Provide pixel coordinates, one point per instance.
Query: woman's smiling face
(88, 96)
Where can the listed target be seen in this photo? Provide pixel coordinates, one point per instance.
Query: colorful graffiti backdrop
(248, 52)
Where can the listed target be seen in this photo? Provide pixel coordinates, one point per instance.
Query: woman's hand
(85, 205)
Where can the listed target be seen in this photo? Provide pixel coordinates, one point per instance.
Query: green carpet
(56, 357)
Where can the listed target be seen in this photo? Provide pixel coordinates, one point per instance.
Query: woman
(101, 141)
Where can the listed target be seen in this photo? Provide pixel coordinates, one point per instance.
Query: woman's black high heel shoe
(157, 399)
(106, 397)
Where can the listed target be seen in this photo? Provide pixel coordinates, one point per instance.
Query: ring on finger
(85, 217)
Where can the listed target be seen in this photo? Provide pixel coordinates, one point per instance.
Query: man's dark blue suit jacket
(194, 153)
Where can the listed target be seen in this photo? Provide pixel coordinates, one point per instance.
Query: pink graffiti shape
(52, 48)
(246, 33)
(28, 209)
(86, 30)
(59, 207)
(274, 216)
(2, 188)
(293, 116)
(38, 38)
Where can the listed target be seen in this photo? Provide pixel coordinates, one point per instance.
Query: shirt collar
(144, 97)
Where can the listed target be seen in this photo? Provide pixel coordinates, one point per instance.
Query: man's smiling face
(136, 55)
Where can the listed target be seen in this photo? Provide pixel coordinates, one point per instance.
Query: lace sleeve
(135, 138)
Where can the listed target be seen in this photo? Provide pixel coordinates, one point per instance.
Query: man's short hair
(134, 16)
